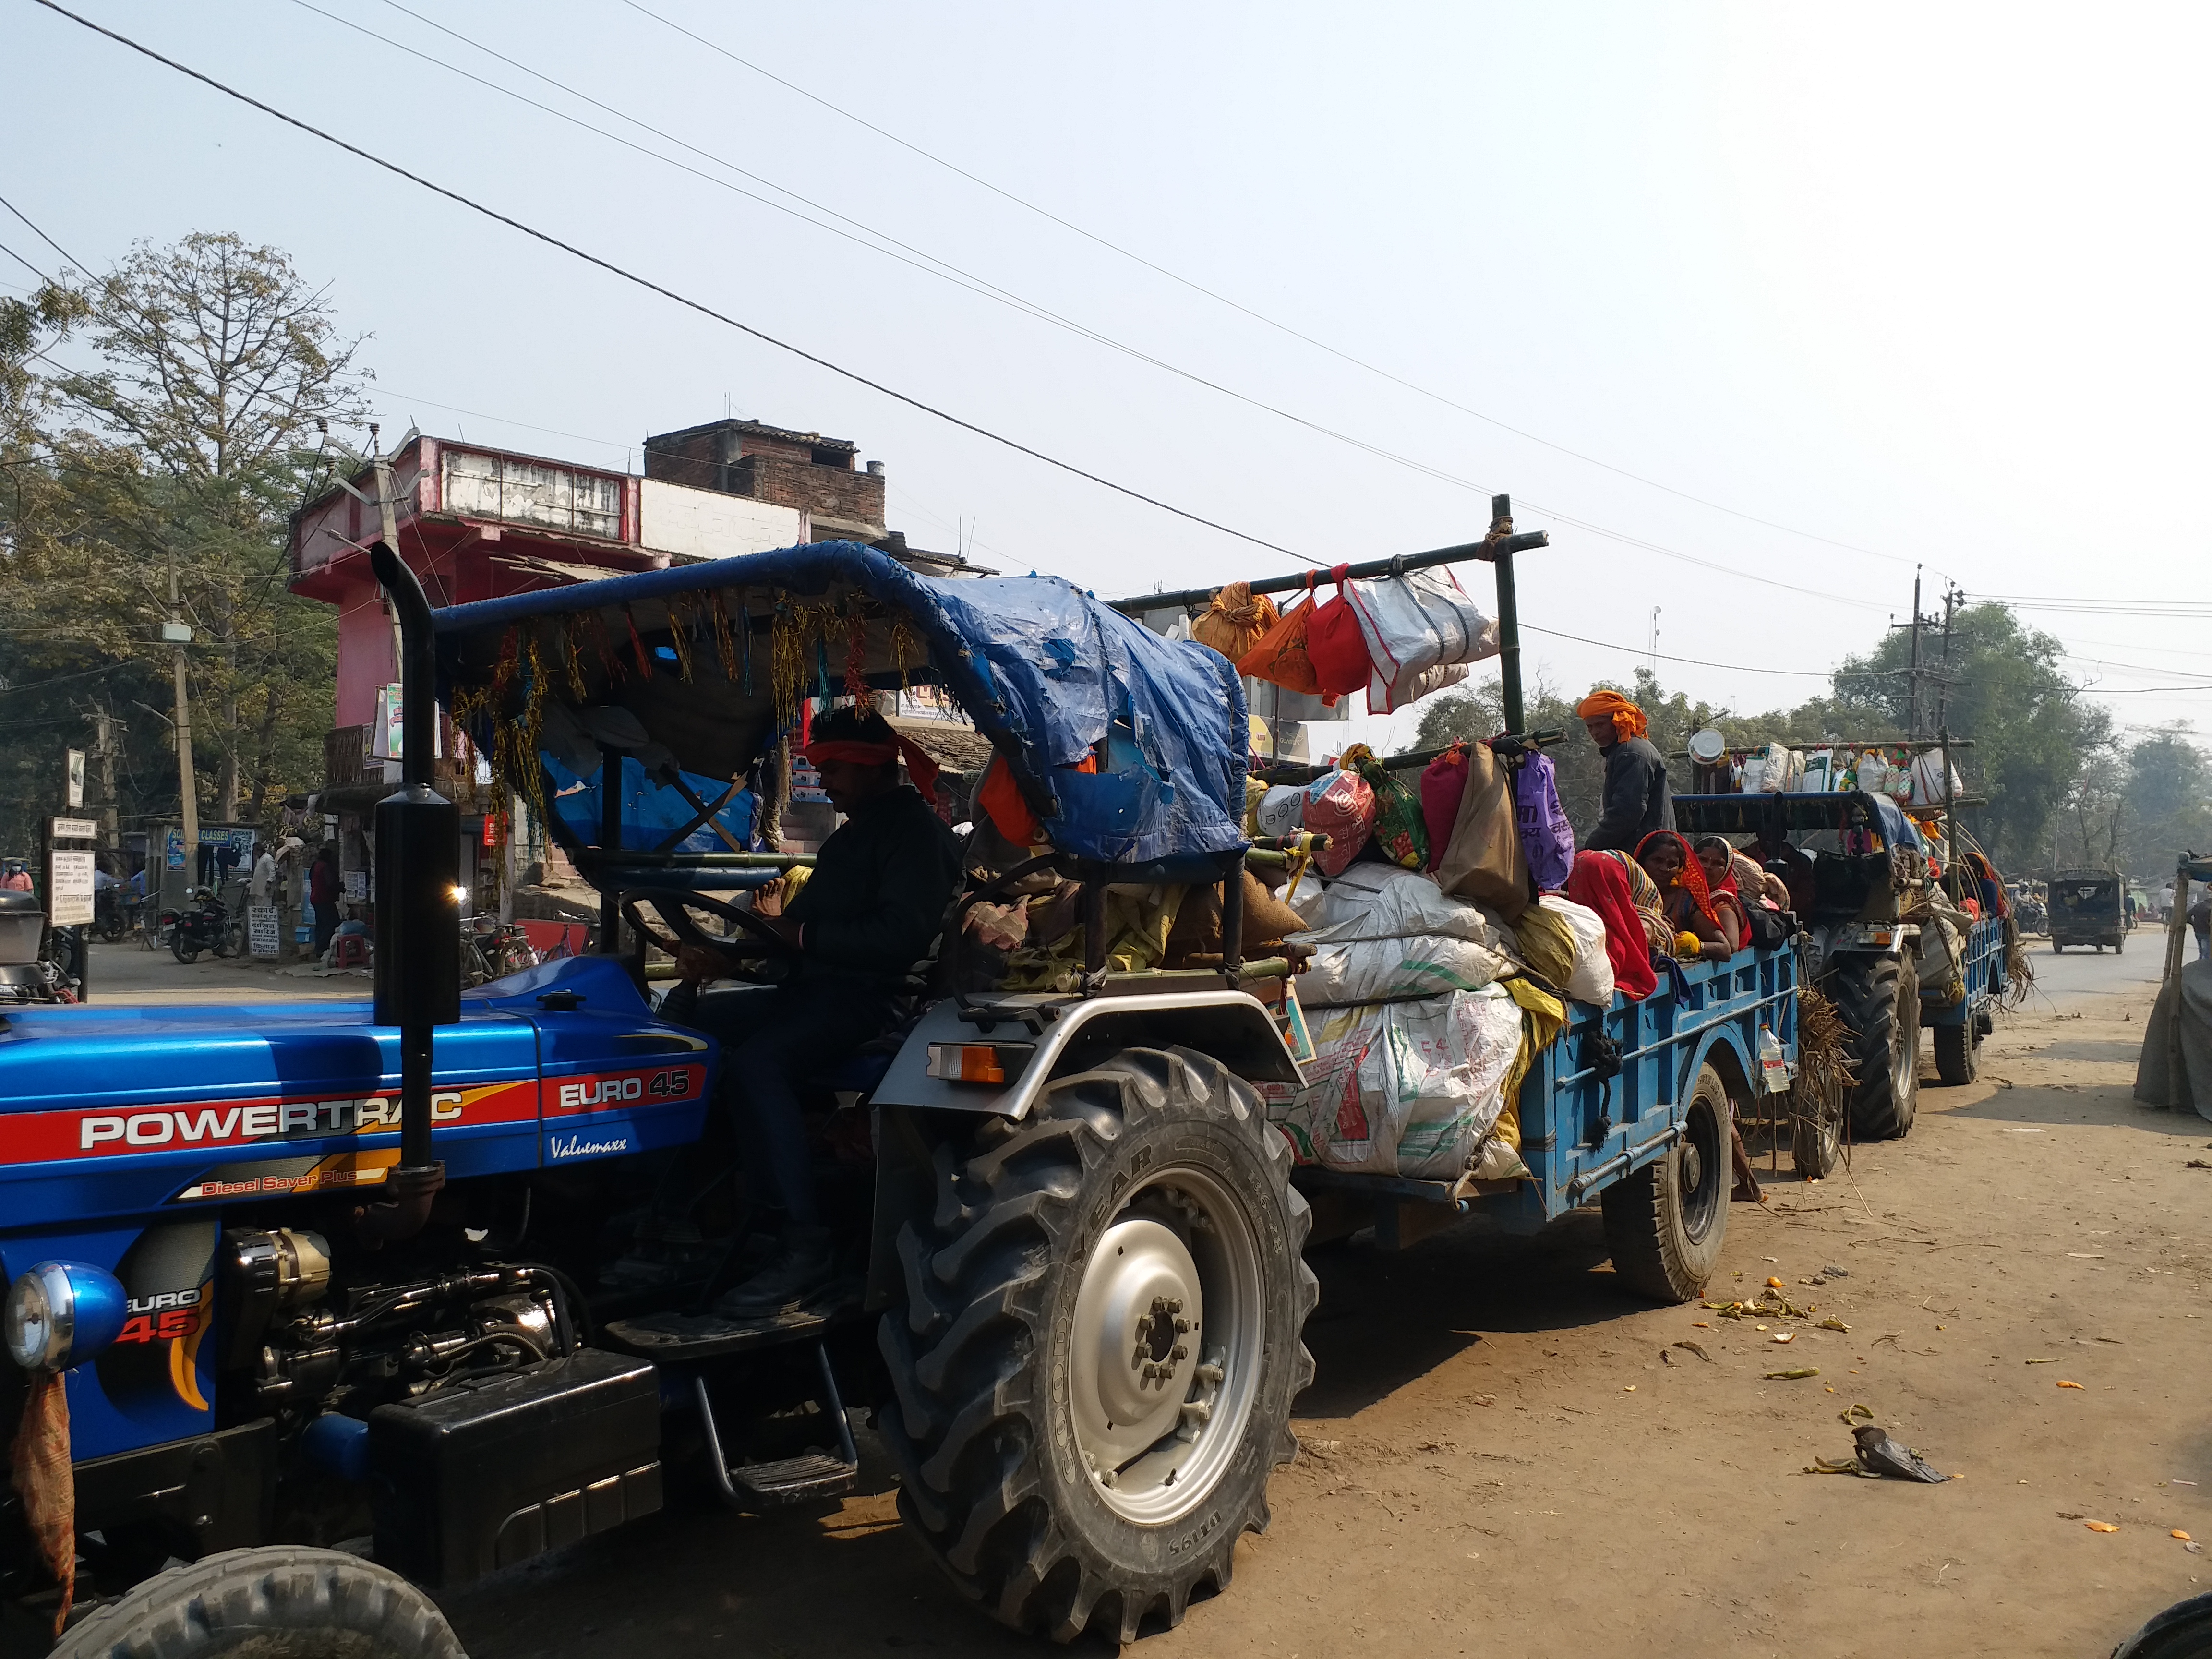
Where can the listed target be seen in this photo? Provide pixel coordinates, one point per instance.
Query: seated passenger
(1717, 859)
(870, 911)
(1680, 879)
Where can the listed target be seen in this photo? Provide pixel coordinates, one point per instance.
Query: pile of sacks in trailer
(1435, 982)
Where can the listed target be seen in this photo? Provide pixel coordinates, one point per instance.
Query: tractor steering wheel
(673, 908)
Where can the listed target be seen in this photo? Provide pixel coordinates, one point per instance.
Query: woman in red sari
(1731, 904)
(1674, 870)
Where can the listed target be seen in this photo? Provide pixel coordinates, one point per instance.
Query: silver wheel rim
(1167, 1341)
(1908, 1054)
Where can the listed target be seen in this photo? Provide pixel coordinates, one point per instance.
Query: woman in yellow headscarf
(1637, 800)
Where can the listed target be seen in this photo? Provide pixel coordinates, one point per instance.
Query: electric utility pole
(175, 632)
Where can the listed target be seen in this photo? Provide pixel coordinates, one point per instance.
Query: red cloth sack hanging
(1444, 785)
(1280, 657)
(1334, 644)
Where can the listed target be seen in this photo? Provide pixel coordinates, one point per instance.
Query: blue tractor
(286, 1277)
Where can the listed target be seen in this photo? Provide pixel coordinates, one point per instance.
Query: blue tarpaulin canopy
(1051, 676)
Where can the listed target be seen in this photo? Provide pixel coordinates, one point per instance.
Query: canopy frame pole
(611, 775)
(1489, 551)
(1504, 543)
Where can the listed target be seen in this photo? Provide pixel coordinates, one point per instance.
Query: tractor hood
(115, 1112)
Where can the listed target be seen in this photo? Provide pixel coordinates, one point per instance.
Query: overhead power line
(25, 263)
(652, 286)
(931, 264)
(1238, 305)
(47, 240)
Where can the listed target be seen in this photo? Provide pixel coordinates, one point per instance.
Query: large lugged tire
(1958, 1054)
(1665, 1222)
(1099, 1345)
(1879, 1001)
(269, 1604)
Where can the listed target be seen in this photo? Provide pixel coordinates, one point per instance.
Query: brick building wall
(801, 470)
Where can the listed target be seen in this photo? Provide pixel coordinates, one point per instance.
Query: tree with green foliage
(165, 480)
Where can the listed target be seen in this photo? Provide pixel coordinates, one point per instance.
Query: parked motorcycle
(204, 924)
(111, 917)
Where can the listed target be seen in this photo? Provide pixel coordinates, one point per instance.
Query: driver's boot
(805, 1261)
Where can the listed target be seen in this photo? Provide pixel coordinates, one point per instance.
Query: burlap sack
(1482, 860)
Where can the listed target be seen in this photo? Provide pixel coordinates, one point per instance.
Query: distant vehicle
(2086, 910)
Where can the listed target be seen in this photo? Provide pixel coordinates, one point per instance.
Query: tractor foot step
(795, 1479)
(791, 1480)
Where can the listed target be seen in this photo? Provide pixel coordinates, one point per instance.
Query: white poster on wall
(261, 930)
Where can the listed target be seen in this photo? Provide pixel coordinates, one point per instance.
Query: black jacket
(879, 889)
(1637, 800)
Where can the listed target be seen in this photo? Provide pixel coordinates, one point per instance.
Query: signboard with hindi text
(68, 889)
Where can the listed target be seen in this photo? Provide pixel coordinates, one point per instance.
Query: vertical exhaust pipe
(418, 974)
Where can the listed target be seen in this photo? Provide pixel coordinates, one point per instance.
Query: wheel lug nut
(1174, 1305)
(1182, 1325)
(1180, 1355)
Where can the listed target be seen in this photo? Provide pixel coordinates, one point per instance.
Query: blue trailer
(1629, 1105)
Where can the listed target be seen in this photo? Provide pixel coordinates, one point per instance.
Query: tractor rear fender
(1039, 1038)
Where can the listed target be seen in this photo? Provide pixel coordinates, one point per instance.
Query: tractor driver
(878, 893)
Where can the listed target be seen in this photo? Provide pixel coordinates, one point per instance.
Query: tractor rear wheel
(1099, 1345)
(1665, 1222)
(1879, 1000)
(270, 1603)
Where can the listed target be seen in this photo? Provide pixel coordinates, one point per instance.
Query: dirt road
(1502, 1458)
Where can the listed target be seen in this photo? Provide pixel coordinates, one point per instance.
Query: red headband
(919, 766)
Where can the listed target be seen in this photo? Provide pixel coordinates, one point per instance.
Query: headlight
(61, 1313)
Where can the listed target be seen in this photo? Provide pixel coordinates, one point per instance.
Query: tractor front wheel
(1099, 1344)
(270, 1603)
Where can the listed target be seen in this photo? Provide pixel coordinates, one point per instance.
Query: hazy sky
(1926, 280)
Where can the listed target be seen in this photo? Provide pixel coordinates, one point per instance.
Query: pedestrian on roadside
(2200, 919)
(323, 885)
(1637, 800)
(18, 879)
(261, 888)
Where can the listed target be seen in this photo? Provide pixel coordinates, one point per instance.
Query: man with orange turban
(1637, 800)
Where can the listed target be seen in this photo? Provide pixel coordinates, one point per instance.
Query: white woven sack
(1413, 622)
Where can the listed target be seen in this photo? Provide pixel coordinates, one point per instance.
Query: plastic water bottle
(1771, 1063)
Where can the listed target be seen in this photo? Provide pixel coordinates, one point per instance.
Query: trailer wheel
(1879, 999)
(1816, 1131)
(1958, 1054)
(1099, 1344)
(271, 1604)
(1666, 1221)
